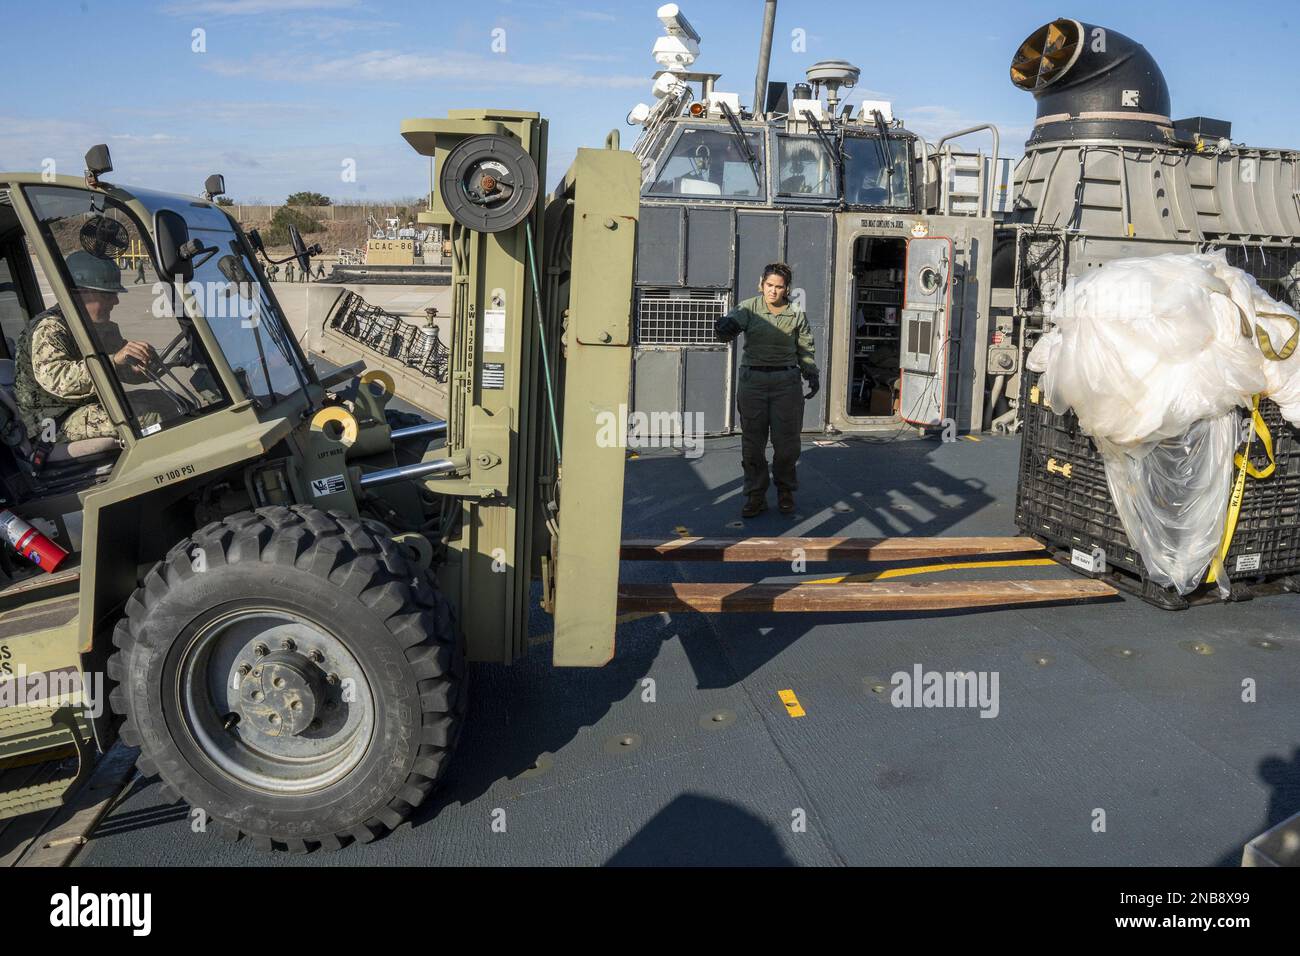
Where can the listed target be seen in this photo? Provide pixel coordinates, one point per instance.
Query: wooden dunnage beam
(818, 549)
(853, 596)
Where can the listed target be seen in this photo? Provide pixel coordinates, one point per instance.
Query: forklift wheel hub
(281, 695)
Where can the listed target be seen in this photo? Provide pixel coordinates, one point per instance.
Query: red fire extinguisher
(30, 543)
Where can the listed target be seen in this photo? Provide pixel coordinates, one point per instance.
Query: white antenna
(676, 25)
(834, 75)
(674, 52)
(681, 46)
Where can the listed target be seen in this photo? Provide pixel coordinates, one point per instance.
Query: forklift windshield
(253, 334)
(107, 260)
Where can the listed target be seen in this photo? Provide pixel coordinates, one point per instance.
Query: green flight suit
(771, 402)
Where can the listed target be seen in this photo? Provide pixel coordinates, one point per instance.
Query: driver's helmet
(91, 272)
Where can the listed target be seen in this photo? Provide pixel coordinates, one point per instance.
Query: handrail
(986, 199)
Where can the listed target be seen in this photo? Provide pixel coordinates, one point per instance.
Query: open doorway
(878, 275)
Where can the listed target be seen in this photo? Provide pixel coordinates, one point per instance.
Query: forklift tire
(290, 675)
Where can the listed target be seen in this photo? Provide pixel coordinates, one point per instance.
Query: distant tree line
(296, 211)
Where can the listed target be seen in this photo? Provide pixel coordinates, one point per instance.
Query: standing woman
(778, 351)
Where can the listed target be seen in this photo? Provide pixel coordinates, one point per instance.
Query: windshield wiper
(742, 141)
(278, 333)
(881, 144)
(833, 148)
(261, 355)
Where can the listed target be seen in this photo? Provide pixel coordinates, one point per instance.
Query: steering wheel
(181, 346)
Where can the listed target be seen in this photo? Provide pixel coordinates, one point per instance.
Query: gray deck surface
(1158, 738)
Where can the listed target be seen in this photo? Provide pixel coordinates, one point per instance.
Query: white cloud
(150, 138)
(241, 114)
(596, 57)
(241, 8)
(330, 28)
(180, 165)
(597, 15)
(390, 66)
(25, 144)
(934, 122)
(241, 159)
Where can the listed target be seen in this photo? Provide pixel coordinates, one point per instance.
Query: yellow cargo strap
(1266, 344)
(1244, 467)
(1266, 341)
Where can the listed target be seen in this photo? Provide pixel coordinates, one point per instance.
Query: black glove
(726, 328)
(813, 378)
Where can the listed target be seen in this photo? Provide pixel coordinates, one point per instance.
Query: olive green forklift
(277, 589)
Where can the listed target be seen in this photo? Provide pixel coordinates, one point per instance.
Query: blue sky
(288, 90)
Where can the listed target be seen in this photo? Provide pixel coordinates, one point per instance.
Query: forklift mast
(539, 376)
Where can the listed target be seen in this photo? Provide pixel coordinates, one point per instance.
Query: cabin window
(709, 164)
(804, 168)
(878, 172)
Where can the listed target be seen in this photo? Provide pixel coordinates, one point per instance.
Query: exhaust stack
(1091, 83)
(764, 58)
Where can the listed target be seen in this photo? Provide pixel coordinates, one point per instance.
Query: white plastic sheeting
(1154, 355)
(1174, 499)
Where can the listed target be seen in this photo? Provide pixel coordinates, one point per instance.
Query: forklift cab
(35, 461)
(147, 289)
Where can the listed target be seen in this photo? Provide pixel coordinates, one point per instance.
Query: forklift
(275, 582)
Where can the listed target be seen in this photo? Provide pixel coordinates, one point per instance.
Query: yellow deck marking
(791, 703)
(970, 437)
(932, 568)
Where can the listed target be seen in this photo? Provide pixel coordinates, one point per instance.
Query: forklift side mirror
(214, 185)
(98, 160)
(173, 234)
(301, 254)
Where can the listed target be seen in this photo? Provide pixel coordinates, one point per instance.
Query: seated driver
(51, 382)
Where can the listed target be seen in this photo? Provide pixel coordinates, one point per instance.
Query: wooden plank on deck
(853, 596)
(818, 549)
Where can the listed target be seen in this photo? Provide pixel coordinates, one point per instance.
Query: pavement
(1123, 735)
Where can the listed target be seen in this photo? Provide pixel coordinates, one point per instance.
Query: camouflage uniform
(51, 382)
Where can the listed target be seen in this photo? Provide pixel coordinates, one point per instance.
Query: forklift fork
(842, 595)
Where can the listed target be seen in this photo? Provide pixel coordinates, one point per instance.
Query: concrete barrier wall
(249, 213)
